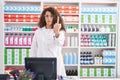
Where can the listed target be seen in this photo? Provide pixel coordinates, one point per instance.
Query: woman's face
(48, 18)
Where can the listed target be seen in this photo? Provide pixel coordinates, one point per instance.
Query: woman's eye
(48, 16)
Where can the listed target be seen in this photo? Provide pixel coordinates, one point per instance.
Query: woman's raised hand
(57, 27)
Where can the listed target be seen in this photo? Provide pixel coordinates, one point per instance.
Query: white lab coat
(45, 44)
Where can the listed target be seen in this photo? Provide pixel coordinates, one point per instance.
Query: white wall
(1, 39)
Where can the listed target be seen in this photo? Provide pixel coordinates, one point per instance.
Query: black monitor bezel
(50, 61)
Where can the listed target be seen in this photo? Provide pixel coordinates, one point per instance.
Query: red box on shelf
(34, 29)
(6, 15)
(9, 15)
(74, 11)
(46, 6)
(27, 15)
(5, 19)
(75, 7)
(9, 20)
(27, 19)
(35, 16)
(35, 19)
(19, 15)
(55, 6)
(13, 15)
(58, 7)
(24, 16)
(67, 11)
(67, 7)
(20, 19)
(16, 20)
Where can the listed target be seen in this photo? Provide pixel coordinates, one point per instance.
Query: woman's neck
(48, 27)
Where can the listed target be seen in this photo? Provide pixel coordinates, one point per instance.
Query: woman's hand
(60, 77)
(56, 28)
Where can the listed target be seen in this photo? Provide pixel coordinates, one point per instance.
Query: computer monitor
(43, 68)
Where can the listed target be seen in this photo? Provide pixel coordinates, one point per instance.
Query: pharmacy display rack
(90, 49)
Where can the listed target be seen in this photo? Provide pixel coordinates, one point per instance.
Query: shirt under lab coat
(45, 44)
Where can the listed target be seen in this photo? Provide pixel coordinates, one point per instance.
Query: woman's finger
(58, 20)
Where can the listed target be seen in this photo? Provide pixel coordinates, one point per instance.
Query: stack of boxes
(69, 12)
(97, 72)
(15, 56)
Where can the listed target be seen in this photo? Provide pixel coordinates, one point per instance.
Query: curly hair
(55, 14)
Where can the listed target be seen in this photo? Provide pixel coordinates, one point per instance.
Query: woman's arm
(59, 34)
(60, 39)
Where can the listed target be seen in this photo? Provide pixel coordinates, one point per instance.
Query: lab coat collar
(45, 28)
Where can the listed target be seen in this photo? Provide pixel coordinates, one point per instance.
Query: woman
(49, 38)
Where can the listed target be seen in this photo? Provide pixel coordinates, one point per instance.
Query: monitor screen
(43, 68)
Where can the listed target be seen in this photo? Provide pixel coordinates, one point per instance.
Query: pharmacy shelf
(97, 65)
(99, 47)
(71, 78)
(20, 22)
(15, 24)
(107, 78)
(72, 65)
(100, 1)
(72, 32)
(22, 1)
(64, 47)
(98, 32)
(69, 14)
(71, 23)
(20, 13)
(99, 23)
(14, 65)
(89, 22)
(29, 32)
(17, 46)
(35, 23)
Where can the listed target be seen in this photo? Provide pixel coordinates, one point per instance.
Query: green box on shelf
(20, 56)
(81, 72)
(5, 56)
(13, 56)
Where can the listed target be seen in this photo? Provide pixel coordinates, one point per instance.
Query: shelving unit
(98, 49)
(88, 42)
(20, 23)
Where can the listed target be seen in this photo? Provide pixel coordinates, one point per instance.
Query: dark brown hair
(55, 14)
